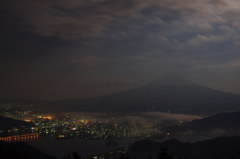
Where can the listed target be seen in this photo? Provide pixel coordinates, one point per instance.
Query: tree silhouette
(74, 155)
(163, 154)
(124, 156)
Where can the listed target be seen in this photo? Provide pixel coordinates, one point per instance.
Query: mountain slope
(227, 121)
(177, 96)
(221, 148)
(21, 151)
(7, 123)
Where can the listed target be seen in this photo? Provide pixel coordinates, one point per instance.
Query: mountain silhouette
(20, 150)
(220, 148)
(8, 123)
(165, 95)
(226, 121)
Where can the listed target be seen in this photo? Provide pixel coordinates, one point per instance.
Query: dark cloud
(54, 49)
(68, 20)
(74, 19)
(218, 2)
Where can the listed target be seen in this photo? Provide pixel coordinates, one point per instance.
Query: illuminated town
(67, 127)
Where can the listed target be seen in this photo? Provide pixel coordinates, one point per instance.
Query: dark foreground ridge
(20, 151)
(219, 148)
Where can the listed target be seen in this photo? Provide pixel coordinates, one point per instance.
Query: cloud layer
(83, 48)
(74, 19)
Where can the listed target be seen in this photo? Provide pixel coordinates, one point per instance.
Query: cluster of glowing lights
(28, 120)
(49, 117)
(84, 121)
(23, 137)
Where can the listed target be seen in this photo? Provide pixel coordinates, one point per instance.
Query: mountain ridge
(221, 148)
(165, 96)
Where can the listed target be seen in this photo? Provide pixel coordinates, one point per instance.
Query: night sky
(63, 49)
